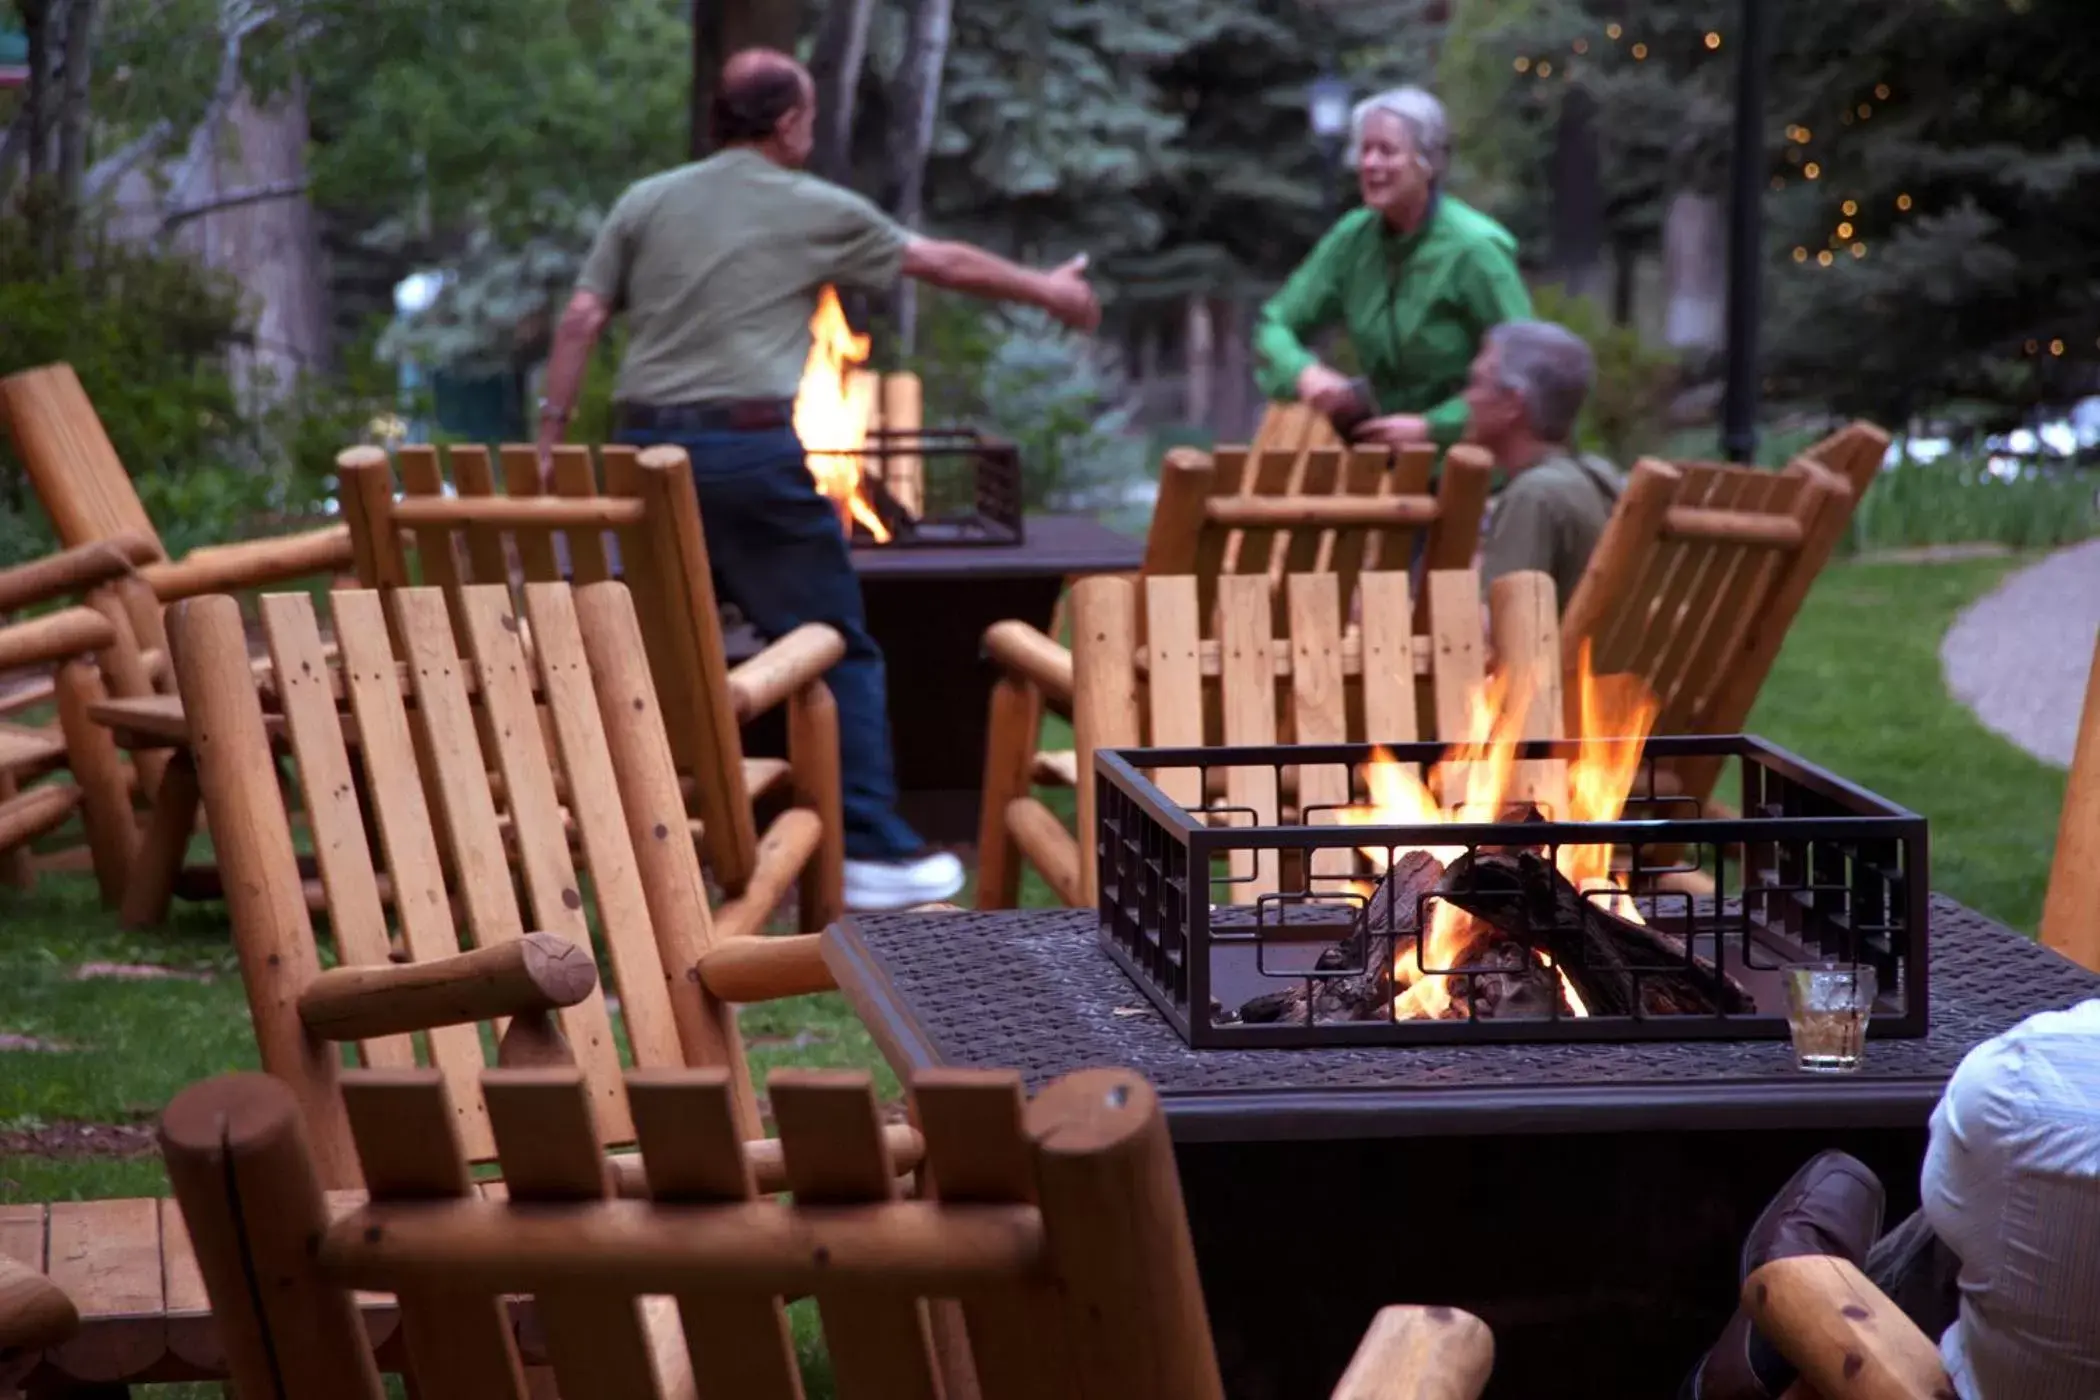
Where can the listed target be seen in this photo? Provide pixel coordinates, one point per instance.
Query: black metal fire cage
(1245, 932)
(970, 488)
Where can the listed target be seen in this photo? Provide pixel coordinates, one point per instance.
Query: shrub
(1627, 410)
(1961, 499)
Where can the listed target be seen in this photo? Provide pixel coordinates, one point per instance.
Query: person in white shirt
(2002, 1262)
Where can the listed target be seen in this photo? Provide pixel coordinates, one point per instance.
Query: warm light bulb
(1903, 201)
(2056, 347)
(1612, 31)
(1713, 40)
(1824, 259)
(1865, 111)
(1801, 255)
(2032, 346)
(1640, 51)
(1881, 90)
(1582, 46)
(1523, 65)
(1844, 230)
(1859, 250)
(1851, 208)
(1812, 170)
(1545, 69)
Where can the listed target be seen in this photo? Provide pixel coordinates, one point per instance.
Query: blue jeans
(779, 556)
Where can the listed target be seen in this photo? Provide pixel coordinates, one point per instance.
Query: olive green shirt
(1416, 307)
(718, 265)
(1548, 518)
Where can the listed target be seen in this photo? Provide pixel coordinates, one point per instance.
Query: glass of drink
(1827, 1005)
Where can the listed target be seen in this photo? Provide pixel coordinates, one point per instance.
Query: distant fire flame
(833, 407)
(1614, 715)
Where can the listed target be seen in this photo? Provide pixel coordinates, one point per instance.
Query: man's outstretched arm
(581, 323)
(962, 267)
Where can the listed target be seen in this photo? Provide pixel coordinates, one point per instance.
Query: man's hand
(1393, 430)
(1327, 390)
(550, 433)
(1069, 297)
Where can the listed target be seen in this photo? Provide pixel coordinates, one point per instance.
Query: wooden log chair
(88, 494)
(35, 1315)
(56, 660)
(2071, 906)
(1844, 1335)
(1699, 573)
(1331, 511)
(1048, 1256)
(644, 520)
(1143, 672)
(454, 802)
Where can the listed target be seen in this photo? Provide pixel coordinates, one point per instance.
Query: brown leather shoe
(1833, 1205)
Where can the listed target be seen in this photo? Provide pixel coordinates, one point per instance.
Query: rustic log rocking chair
(1055, 1260)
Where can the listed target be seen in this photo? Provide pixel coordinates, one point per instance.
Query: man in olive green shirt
(718, 266)
(1415, 276)
(1524, 394)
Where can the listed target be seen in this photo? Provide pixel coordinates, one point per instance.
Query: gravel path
(2019, 655)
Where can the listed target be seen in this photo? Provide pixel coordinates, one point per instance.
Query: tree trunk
(842, 49)
(271, 244)
(73, 121)
(725, 27)
(917, 105)
(1695, 270)
(1235, 391)
(1625, 257)
(40, 24)
(1198, 353)
(1578, 197)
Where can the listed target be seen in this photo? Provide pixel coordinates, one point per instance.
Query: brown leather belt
(716, 416)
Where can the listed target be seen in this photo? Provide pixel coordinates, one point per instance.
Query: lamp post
(1745, 238)
(1327, 109)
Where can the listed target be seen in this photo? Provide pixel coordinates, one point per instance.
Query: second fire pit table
(1589, 1200)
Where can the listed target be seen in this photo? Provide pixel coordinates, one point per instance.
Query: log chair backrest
(1293, 427)
(1059, 1236)
(2071, 903)
(1329, 510)
(422, 713)
(1855, 452)
(1162, 683)
(646, 503)
(1694, 582)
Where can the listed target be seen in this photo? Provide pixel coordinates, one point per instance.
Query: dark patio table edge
(1439, 1111)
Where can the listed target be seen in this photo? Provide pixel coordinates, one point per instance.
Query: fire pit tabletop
(1034, 991)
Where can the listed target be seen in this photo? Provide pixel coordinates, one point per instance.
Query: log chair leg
(813, 753)
(105, 786)
(167, 840)
(17, 871)
(1010, 742)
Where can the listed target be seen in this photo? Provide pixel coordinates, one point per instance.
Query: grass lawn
(99, 1027)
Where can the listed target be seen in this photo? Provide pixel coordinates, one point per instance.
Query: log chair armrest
(1032, 656)
(74, 570)
(537, 973)
(35, 1313)
(1420, 1353)
(1840, 1331)
(784, 667)
(766, 967)
(232, 568)
(54, 637)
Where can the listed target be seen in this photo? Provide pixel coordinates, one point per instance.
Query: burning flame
(1614, 716)
(833, 407)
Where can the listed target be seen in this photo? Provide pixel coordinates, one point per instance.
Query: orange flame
(833, 407)
(1614, 715)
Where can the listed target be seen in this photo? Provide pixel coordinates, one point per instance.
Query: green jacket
(1416, 307)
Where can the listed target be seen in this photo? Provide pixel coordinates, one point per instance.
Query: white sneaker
(874, 886)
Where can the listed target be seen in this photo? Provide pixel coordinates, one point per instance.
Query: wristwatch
(548, 410)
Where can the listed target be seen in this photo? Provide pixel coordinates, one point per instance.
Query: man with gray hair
(1523, 397)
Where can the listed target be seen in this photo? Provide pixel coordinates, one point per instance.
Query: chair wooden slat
(399, 796)
(472, 476)
(1459, 666)
(597, 1341)
(1174, 678)
(1407, 475)
(495, 643)
(978, 1153)
(595, 804)
(1319, 703)
(1388, 665)
(686, 1122)
(574, 476)
(1248, 702)
(1250, 553)
(831, 1137)
(1686, 608)
(437, 549)
(1731, 593)
(1363, 474)
(1229, 467)
(335, 822)
(458, 1344)
(105, 1256)
(1320, 474)
(521, 477)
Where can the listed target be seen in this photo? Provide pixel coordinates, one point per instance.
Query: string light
(1903, 201)
(1881, 90)
(1824, 258)
(1713, 40)
(1844, 231)
(1640, 51)
(1612, 31)
(1812, 170)
(1851, 208)
(1582, 46)
(1778, 182)
(1800, 255)
(1545, 69)
(2056, 347)
(1859, 250)
(1523, 65)
(1865, 111)
(2033, 346)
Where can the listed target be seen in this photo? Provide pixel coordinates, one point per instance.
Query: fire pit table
(1588, 1199)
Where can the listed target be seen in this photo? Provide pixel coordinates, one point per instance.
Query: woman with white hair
(1416, 277)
